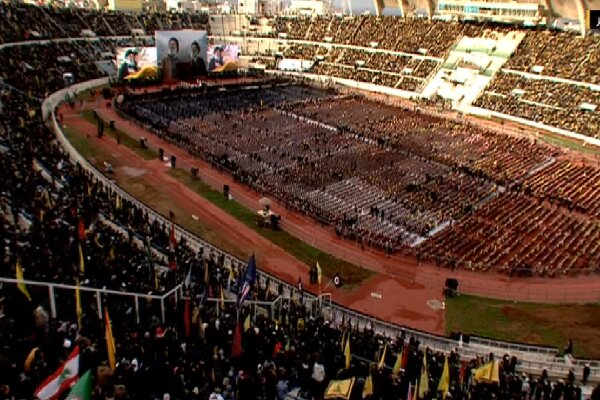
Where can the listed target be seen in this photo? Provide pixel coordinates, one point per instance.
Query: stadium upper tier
(425, 59)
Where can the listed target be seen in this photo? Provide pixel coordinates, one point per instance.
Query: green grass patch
(84, 146)
(147, 194)
(126, 140)
(351, 274)
(87, 96)
(532, 323)
(569, 144)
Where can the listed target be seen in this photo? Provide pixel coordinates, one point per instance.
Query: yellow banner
(339, 389)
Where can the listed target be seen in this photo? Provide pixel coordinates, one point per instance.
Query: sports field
(531, 323)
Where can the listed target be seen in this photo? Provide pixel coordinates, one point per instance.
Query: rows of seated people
(368, 76)
(561, 54)
(521, 235)
(25, 22)
(396, 64)
(406, 35)
(568, 184)
(352, 146)
(444, 140)
(541, 100)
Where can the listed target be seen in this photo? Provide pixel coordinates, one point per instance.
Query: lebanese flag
(62, 379)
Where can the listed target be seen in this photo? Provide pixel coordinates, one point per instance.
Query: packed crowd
(43, 212)
(19, 22)
(577, 60)
(414, 36)
(542, 100)
(561, 54)
(519, 235)
(390, 178)
(385, 180)
(450, 142)
(211, 350)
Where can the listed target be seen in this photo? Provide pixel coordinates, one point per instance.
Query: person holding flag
(172, 249)
(249, 278)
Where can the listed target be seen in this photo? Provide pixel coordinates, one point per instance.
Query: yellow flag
(368, 388)
(488, 373)
(397, 364)
(48, 199)
(319, 273)
(81, 259)
(78, 309)
(231, 274)
(339, 389)
(347, 353)
(110, 341)
(247, 323)
(424, 379)
(222, 300)
(20, 283)
(444, 385)
(382, 359)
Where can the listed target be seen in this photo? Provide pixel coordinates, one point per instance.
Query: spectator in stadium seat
(198, 66)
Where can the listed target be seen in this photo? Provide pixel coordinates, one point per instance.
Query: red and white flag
(61, 380)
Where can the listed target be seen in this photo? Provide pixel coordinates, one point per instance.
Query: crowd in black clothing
(384, 179)
(19, 22)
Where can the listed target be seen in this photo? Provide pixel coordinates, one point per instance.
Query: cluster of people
(569, 185)
(216, 351)
(561, 54)
(19, 21)
(552, 103)
(539, 101)
(518, 235)
(380, 78)
(386, 180)
(407, 35)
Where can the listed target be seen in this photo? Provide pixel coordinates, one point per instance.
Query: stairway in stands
(470, 66)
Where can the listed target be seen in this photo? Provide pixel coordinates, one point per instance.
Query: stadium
(272, 200)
